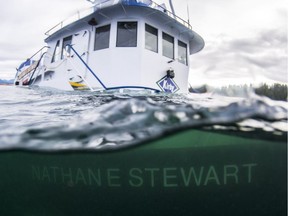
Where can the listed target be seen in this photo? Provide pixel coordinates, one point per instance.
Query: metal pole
(172, 8)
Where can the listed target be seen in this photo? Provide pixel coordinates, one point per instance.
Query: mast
(188, 13)
(172, 8)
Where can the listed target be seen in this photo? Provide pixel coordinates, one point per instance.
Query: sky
(245, 40)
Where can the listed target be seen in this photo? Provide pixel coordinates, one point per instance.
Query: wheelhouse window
(126, 34)
(102, 37)
(56, 53)
(168, 45)
(151, 38)
(182, 52)
(65, 49)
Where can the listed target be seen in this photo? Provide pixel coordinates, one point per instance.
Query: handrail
(38, 51)
(154, 5)
(83, 13)
(86, 82)
(77, 16)
(31, 58)
(102, 84)
(38, 63)
(91, 71)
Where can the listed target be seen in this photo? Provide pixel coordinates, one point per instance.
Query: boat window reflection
(65, 49)
(102, 37)
(151, 38)
(168, 45)
(126, 34)
(182, 52)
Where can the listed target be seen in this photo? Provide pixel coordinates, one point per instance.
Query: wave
(49, 120)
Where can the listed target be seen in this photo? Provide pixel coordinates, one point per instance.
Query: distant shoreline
(6, 84)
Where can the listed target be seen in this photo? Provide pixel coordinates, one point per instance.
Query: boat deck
(86, 12)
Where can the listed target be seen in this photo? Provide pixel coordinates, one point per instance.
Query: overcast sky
(246, 40)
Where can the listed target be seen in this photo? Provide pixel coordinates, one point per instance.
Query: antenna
(188, 13)
(172, 8)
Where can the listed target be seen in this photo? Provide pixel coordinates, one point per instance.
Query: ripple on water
(52, 120)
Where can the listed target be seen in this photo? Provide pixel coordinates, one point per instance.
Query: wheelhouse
(127, 44)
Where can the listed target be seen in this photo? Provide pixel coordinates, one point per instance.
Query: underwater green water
(246, 177)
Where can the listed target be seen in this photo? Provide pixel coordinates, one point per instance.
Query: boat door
(80, 42)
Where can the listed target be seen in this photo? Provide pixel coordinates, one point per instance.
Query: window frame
(56, 49)
(186, 53)
(95, 38)
(171, 37)
(64, 45)
(157, 38)
(118, 42)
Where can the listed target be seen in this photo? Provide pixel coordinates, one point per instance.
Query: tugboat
(116, 44)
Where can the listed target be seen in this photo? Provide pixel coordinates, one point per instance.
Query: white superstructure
(119, 44)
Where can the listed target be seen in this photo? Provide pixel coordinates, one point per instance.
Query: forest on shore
(275, 91)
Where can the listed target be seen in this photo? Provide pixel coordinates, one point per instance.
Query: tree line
(275, 91)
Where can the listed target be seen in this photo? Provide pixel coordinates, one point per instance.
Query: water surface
(47, 119)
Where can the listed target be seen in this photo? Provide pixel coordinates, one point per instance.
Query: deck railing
(81, 14)
(154, 5)
(20, 74)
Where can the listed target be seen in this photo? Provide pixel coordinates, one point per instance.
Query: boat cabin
(121, 44)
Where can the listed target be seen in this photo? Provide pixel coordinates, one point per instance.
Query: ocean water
(141, 154)
(51, 120)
